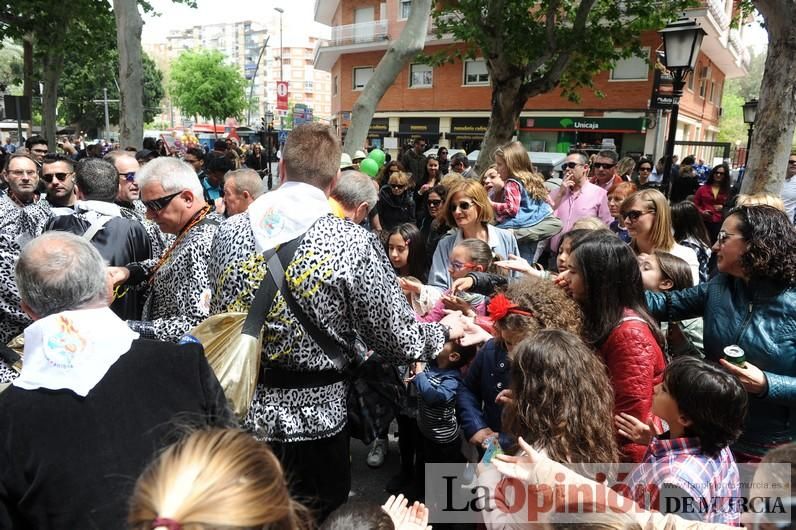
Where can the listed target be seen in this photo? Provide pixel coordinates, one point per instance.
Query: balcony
(722, 45)
(351, 38)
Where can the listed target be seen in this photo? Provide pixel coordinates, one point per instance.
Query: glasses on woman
(397, 187)
(725, 236)
(434, 203)
(461, 205)
(634, 215)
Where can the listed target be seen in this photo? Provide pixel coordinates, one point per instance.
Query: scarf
(285, 213)
(73, 350)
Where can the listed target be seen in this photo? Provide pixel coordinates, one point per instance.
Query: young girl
(528, 306)
(519, 198)
(603, 277)
(663, 272)
(470, 255)
(616, 197)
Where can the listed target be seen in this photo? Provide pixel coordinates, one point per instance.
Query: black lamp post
(681, 42)
(269, 118)
(749, 115)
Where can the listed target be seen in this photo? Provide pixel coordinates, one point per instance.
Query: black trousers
(318, 472)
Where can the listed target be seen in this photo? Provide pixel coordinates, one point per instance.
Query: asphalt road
(367, 484)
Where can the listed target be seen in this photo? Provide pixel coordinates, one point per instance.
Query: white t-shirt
(789, 197)
(689, 256)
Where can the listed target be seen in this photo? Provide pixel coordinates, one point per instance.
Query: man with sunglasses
(605, 170)
(577, 197)
(179, 287)
(98, 219)
(58, 175)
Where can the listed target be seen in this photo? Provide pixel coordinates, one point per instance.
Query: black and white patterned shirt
(342, 279)
(12, 320)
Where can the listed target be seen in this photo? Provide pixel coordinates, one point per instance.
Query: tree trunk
(27, 77)
(406, 46)
(215, 132)
(507, 103)
(775, 122)
(52, 66)
(131, 73)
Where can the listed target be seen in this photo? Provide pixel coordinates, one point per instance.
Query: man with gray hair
(179, 295)
(99, 220)
(93, 404)
(356, 195)
(241, 187)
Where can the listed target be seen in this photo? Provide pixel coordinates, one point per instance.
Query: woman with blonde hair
(468, 211)
(648, 219)
(756, 199)
(215, 479)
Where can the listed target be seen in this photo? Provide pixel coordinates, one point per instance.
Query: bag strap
(97, 225)
(272, 282)
(330, 347)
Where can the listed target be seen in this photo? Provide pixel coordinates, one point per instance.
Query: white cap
(359, 155)
(345, 161)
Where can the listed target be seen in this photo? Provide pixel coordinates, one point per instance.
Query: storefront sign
(379, 127)
(418, 126)
(469, 126)
(620, 125)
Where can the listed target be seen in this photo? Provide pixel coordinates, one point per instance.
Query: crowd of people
(594, 321)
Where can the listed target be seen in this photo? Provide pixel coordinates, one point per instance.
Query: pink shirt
(588, 201)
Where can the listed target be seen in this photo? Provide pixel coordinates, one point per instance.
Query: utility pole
(105, 102)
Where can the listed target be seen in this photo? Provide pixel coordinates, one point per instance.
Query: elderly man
(179, 296)
(460, 164)
(577, 197)
(356, 195)
(99, 220)
(241, 188)
(22, 214)
(93, 404)
(341, 281)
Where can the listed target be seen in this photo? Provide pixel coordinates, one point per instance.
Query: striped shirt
(436, 415)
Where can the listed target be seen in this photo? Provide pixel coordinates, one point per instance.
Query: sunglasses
(634, 215)
(129, 177)
(434, 203)
(570, 165)
(599, 165)
(49, 177)
(644, 169)
(461, 205)
(397, 187)
(158, 204)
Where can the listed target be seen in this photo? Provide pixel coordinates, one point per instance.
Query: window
(404, 8)
(717, 94)
(690, 83)
(420, 75)
(631, 69)
(307, 85)
(285, 60)
(361, 76)
(712, 91)
(475, 72)
(334, 86)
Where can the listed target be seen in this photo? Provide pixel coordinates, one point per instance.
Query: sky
(177, 16)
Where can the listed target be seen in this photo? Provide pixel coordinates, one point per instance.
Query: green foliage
(202, 84)
(736, 93)
(11, 67)
(552, 43)
(84, 78)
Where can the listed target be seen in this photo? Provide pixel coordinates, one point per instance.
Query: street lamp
(749, 115)
(281, 50)
(681, 42)
(269, 117)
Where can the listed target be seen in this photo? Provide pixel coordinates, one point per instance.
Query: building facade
(450, 104)
(244, 46)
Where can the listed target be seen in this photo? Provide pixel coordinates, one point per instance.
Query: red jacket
(635, 365)
(704, 200)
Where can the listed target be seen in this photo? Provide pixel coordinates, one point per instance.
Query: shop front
(563, 134)
(379, 129)
(411, 128)
(467, 133)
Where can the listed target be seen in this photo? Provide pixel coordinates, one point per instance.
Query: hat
(345, 161)
(359, 155)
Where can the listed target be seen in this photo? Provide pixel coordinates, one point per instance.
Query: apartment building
(450, 104)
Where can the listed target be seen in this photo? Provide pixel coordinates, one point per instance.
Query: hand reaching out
(405, 517)
(634, 429)
(462, 284)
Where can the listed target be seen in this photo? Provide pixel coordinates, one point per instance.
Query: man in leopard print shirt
(344, 283)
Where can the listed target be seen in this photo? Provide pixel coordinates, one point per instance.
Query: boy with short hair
(704, 407)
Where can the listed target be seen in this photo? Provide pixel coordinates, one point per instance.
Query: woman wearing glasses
(648, 220)
(468, 210)
(711, 197)
(396, 205)
(751, 303)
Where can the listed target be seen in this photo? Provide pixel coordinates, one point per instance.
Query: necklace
(197, 218)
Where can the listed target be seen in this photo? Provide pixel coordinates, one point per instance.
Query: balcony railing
(734, 40)
(359, 33)
(718, 10)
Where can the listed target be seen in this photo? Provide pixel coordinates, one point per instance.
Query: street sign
(17, 107)
(281, 95)
(282, 136)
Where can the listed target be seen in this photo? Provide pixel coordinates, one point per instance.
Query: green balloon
(369, 167)
(377, 155)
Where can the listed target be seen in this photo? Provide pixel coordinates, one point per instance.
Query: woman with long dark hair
(750, 303)
(711, 197)
(690, 231)
(603, 276)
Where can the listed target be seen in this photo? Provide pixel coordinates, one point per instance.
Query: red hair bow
(500, 306)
